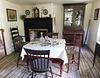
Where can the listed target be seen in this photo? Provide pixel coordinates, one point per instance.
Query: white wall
(26, 7)
(1, 14)
(88, 10)
(6, 25)
(94, 25)
(58, 13)
(98, 34)
(48, 6)
(54, 9)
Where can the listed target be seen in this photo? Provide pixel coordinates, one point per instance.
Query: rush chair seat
(71, 50)
(38, 61)
(53, 35)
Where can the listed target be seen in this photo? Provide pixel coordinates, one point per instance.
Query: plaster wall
(58, 14)
(41, 7)
(5, 24)
(94, 26)
(54, 9)
(26, 7)
(88, 10)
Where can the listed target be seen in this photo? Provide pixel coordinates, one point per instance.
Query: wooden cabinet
(68, 35)
(73, 23)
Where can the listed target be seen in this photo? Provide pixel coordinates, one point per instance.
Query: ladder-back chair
(71, 50)
(17, 41)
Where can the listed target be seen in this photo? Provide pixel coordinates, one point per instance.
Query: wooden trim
(46, 30)
(3, 41)
(75, 4)
(39, 30)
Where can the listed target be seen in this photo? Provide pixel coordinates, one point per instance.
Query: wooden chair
(17, 41)
(15, 34)
(18, 45)
(53, 35)
(71, 50)
(38, 62)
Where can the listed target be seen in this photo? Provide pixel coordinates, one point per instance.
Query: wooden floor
(8, 68)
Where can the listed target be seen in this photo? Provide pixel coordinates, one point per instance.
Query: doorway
(2, 45)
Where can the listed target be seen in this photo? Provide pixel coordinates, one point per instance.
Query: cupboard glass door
(79, 17)
(68, 20)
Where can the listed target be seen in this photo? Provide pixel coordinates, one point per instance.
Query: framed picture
(11, 15)
(96, 14)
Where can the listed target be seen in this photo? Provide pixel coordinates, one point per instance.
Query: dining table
(56, 47)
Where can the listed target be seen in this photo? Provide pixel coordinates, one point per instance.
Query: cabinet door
(68, 17)
(74, 16)
(78, 16)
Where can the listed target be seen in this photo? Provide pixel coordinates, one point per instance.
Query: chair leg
(46, 75)
(78, 61)
(27, 65)
(72, 58)
(18, 59)
(51, 72)
(32, 75)
(69, 63)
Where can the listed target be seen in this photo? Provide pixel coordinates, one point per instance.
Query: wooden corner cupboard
(73, 21)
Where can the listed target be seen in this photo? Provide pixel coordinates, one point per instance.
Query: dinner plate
(46, 44)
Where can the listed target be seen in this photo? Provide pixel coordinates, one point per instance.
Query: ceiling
(31, 2)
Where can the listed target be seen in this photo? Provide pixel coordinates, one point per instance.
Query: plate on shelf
(27, 12)
(45, 11)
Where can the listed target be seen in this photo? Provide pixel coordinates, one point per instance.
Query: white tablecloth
(57, 51)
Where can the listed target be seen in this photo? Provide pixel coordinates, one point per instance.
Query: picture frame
(11, 15)
(96, 14)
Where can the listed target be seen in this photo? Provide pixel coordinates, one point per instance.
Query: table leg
(27, 61)
(94, 59)
(59, 61)
(61, 67)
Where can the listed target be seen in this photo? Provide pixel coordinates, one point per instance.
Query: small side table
(97, 51)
